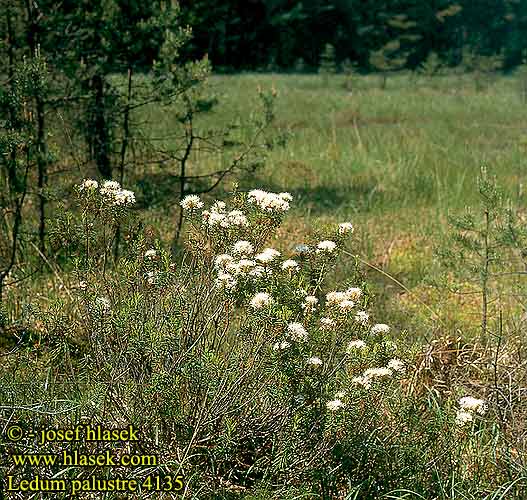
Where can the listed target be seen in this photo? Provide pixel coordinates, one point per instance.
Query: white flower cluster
(270, 202)
(335, 405)
(111, 191)
(356, 344)
(397, 365)
(362, 317)
(297, 332)
(327, 323)
(346, 301)
(191, 202)
(267, 255)
(380, 328)
(372, 373)
(150, 254)
(243, 266)
(229, 269)
(261, 300)
(310, 303)
(245, 263)
(369, 375)
(314, 361)
(469, 406)
(468, 403)
(290, 265)
(218, 216)
(280, 346)
(88, 184)
(326, 246)
(345, 228)
(347, 305)
(243, 247)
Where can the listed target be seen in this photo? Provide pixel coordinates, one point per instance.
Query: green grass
(394, 161)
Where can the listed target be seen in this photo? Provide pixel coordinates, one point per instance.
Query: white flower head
(215, 218)
(297, 332)
(236, 218)
(257, 196)
(463, 418)
(108, 186)
(310, 303)
(223, 260)
(380, 328)
(290, 265)
(151, 278)
(356, 344)
(327, 323)
(243, 247)
(397, 365)
(335, 405)
(267, 255)
(345, 228)
(218, 206)
(347, 305)
(89, 184)
(124, 197)
(150, 254)
(326, 246)
(362, 317)
(354, 293)
(335, 298)
(225, 281)
(364, 381)
(468, 403)
(191, 202)
(340, 395)
(280, 346)
(261, 300)
(270, 202)
(315, 361)
(378, 372)
(113, 193)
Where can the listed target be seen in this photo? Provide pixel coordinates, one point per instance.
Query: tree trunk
(42, 174)
(124, 146)
(101, 138)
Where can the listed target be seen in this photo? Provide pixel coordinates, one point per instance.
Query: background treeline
(275, 34)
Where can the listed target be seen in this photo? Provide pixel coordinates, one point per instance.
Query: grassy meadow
(396, 162)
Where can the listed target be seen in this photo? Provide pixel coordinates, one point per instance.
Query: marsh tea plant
(250, 372)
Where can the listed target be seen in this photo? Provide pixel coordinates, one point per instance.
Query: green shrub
(242, 370)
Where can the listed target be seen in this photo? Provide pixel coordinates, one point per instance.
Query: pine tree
(328, 64)
(20, 150)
